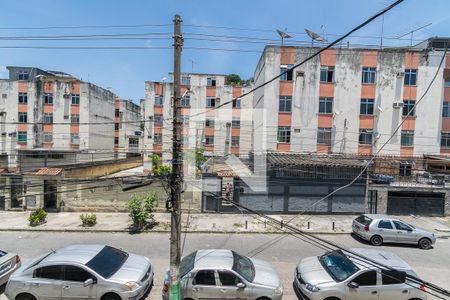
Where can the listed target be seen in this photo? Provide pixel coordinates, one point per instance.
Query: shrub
(88, 220)
(141, 207)
(162, 170)
(37, 217)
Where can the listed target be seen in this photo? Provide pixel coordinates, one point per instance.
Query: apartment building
(127, 128)
(52, 115)
(221, 131)
(350, 101)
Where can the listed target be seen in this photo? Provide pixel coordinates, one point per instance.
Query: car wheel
(263, 298)
(25, 297)
(111, 296)
(376, 240)
(425, 243)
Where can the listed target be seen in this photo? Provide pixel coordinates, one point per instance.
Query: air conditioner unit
(297, 130)
(67, 96)
(397, 105)
(400, 74)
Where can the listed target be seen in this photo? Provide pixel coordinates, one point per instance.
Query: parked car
(378, 229)
(225, 274)
(82, 272)
(337, 275)
(9, 262)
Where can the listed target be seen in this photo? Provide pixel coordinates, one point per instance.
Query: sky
(206, 24)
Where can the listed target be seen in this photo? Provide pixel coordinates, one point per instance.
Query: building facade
(128, 127)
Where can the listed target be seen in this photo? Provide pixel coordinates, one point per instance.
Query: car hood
(265, 274)
(422, 231)
(133, 269)
(312, 271)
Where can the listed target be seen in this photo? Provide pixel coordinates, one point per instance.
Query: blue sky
(124, 71)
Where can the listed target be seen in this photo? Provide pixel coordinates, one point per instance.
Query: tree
(141, 207)
(233, 79)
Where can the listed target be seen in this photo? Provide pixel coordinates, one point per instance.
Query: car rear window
(363, 219)
(108, 261)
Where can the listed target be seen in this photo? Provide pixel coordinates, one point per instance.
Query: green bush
(162, 170)
(88, 220)
(141, 207)
(37, 217)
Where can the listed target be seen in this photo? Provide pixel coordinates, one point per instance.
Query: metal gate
(2, 203)
(412, 203)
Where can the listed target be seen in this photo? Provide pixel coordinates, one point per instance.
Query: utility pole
(176, 180)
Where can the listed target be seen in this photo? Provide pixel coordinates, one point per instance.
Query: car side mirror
(88, 282)
(241, 285)
(353, 285)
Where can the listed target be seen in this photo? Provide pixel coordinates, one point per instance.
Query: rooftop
(330, 160)
(214, 258)
(75, 253)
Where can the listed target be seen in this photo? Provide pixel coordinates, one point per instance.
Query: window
(133, 142)
(243, 266)
(234, 141)
(185, 80)
(185, 139)
(75, 119)
(236, 123)
(209, 140)
(22, 136)
(237, 103)
(117, 113)
(284, 135)
(48, 118)
(338, 265)
(48, 137)
(116, 141)
(186, 101)
(410, 76)
(116, 126)
(23, 97)
(108, 261)
(408, 107)
(228, 278)
(326, 74)
(366, 278)
(285, 104)
(405, 169)
(445, 139)
(369, 75)
(366, 107)
(204, 277)
(185, 121)
(74, 139)
(23, 117)
(392, 277)
(447, 82)
(407, 138)
(49, 272)
(72, 273)
(76, 99)
(158, 119)
(325, 105)
(209, 123)
(288, 74)
(210, 101)
(157, 139)
(446, 110)
(159, 100)
(324, 136)
(211, 81)
(48, 98)
(187, 264)
(401, 226)
(23, 75)
(385, 224)
(365, 136)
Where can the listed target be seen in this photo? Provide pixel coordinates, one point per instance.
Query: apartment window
(48, 98)
(74, 139)
(117, 113)
(22, 136)
(209, 140)
(48, 118)
(285, 104)
(186, 80)
(23, 75)
(209, 123)
(284, 134)
(369, 75)
(324, 136)
(210, 102)
(366, 107)
(186, 101)
(157, 139)
(446, 110)
(116, 126)
(23, 117)
(185, 139)
(133, 142)
(48, 137)
(288, 74)
(405, 168)
(237, 103)
(159, 100)
(211, 81)
(447, 82)
(76, 99)
(185, 121)
(408, 107)
(327, 74)
(410, 77)
(325, 105)
(365, 137)
(116, 141)
(407, 138)
(75, 119)
(23, 97)
(158, 119)
(236, 123)
(445, 139)
(234, 141)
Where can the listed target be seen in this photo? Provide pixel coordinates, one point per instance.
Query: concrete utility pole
(176, 180)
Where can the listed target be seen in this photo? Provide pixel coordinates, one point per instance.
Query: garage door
(420, 204)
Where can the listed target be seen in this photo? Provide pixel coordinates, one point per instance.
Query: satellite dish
(283, 35)
(314, 36)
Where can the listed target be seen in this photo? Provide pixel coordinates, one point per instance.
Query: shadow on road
(2, 289)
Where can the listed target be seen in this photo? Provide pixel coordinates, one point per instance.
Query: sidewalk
(211, 223)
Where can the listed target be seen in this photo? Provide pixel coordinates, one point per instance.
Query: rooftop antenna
(283, 35)
(411, 33)
(315, 37)
(192, 65)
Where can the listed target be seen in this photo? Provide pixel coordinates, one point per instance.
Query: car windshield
(362, 219)
(187, 264)
(2, 253)
(339, 266)
(108, 261)
(243, 266)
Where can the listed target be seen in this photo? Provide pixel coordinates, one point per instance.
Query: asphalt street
(282, 250)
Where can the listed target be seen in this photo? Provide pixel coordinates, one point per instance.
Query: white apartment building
(128, 128)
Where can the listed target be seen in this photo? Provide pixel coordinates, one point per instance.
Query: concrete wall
(102, 168)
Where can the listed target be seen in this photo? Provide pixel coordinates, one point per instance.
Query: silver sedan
(82, 272)
(9, 262)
